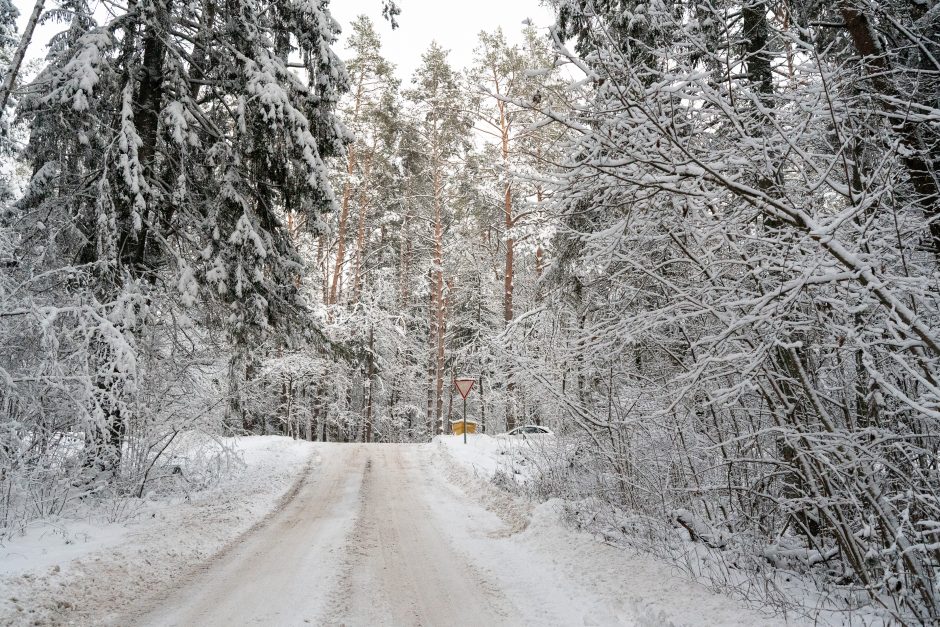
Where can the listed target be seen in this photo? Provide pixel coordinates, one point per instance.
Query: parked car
(528, 431)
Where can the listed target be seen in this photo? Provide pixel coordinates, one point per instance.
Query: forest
(698, 239)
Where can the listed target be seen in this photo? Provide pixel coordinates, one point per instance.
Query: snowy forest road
(357, 545)
(394, 534)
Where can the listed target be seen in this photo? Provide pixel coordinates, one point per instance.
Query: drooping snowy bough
(170, 145)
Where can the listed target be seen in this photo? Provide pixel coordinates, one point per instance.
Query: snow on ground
(500, 466)
(50, 545)
(74, 569)
(402, 534)
(391, 519)
(489, 456)
(618, 586)
(484, 454)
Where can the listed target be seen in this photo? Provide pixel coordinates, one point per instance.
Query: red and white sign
(464, 386)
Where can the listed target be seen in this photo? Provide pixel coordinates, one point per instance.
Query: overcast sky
(453, 23)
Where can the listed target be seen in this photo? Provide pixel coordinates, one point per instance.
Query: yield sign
(464, 386)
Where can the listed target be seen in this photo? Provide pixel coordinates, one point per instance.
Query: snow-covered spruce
(171, 145)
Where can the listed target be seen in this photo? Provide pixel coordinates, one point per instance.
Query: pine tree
(512, 80)
(442, 125)
(372, 81)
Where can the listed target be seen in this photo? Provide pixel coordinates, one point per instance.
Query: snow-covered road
(359, 544)
(390, 535)
(279, 573)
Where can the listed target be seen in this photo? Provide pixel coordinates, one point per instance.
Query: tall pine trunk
(438, 299)
(361, 230)
(509, 270)
(344, 211)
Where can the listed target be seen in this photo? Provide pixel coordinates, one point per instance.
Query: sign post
(464, 385)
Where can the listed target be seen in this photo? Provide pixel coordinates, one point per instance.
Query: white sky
(454, 24)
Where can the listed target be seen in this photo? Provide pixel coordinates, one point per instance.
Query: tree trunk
(404, 274)
(539, 253)
(509, 271)
(439, 299)
(450, 401)
(758, 58)
(510, 254)
(344, 212)
(367, 436)
(308, 434)
(341, 230)
(922, 176)
(482, 404)
(315, 411)
(7, 87)
(291, 426)
(361, 231)
(432, 350)
(323, 260)
(148, 103)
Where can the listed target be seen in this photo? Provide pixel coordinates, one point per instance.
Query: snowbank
(483, 454)
(603, 584)
(487, 456)
(84, 569)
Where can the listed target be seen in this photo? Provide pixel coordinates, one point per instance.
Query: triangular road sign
(464, 386)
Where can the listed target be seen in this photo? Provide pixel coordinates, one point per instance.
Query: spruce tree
(171, 142)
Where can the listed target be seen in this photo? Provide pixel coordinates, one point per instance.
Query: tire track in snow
(400, 568)
(280, 572)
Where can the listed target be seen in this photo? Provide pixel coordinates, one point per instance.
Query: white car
(528, 431)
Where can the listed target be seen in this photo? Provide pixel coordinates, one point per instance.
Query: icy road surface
(377, 535)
